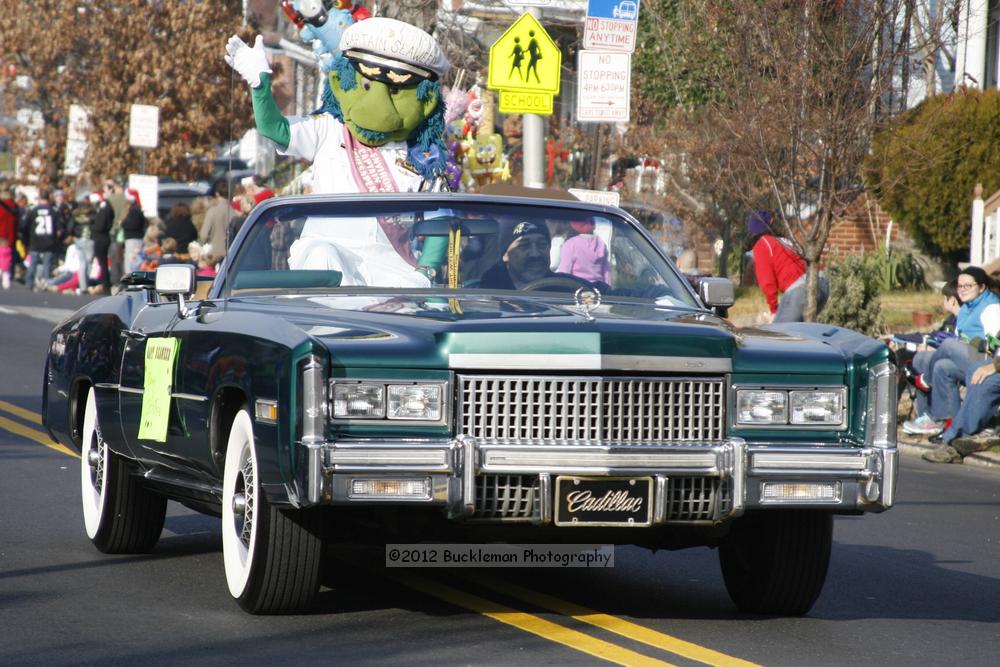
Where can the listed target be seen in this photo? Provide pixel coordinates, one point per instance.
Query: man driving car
(525, 260)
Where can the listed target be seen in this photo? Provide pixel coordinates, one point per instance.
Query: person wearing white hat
(382, 122)
(382, 96)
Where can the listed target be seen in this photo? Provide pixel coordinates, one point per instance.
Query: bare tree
(795, 92)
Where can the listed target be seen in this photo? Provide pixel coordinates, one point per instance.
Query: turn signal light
(799, 492)
(390, 488)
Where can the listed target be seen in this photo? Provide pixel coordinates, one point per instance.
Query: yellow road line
(34, 434)
(524, 621)
(610, 623)
(20, 412)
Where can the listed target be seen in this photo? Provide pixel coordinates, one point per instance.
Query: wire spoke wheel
(119, 513)
(271, 555)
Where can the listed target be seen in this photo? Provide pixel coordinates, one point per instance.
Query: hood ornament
(587, 300)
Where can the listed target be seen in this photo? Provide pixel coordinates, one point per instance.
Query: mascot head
(384, 85)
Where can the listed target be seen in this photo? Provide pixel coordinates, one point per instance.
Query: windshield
(360, 246)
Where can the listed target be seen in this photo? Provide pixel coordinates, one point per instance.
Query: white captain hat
(393, 52)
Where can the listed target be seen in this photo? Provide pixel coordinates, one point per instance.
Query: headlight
(398, 401)
(761, 407)
(360, 400)
(415, 401)
(819, 407)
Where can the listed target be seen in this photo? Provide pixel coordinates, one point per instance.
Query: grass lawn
(897, 308)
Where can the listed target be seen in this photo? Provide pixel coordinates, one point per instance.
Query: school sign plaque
(525, 66)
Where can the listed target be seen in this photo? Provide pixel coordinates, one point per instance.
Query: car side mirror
(176, 279)
(717, 293)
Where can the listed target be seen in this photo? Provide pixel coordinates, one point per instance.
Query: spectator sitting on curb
(907, 345)
(964, 436)
(943, 371)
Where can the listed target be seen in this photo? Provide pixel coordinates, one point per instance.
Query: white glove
(248, 62)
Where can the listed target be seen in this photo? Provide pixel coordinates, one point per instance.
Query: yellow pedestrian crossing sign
(525, 59)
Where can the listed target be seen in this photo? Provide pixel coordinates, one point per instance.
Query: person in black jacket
(133, 229)
(40, 225)
(179, 227)
(100, 232)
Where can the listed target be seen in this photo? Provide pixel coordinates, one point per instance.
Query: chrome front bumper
(864, 478)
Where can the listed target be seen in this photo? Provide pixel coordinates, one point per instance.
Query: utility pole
(533, 139)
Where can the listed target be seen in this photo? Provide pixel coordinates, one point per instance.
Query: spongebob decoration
(483, 159)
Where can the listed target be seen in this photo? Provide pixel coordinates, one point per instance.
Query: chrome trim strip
(469, 476)
(131, 390)
(107, 385)
(189, 397)
(890, 469)
(347, 457)
(738, 473)
(314, 483)
(801, 461)
(660, 500)
(545, 501)
(542, 459)
(589, 362)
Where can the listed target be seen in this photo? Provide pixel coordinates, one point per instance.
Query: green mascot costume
(380, 130)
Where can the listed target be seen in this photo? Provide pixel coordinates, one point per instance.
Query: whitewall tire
(119, 513)
(271, 555)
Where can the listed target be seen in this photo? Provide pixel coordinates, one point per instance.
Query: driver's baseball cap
(527, 228)
(393, 52)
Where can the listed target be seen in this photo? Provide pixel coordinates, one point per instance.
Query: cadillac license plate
(604, 501)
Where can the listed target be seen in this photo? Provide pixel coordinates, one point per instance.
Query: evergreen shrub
(855, 295)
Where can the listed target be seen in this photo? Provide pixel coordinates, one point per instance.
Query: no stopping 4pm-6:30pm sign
(603, 86)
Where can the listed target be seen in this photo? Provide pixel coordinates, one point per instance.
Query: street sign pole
(533, 138)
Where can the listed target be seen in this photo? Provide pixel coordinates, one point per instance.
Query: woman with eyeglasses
(943, 371)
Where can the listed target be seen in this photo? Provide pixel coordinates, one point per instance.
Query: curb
(981, 459)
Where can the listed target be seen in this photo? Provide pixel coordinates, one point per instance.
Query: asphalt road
(917, 585)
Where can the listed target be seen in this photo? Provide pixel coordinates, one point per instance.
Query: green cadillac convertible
(443, 367)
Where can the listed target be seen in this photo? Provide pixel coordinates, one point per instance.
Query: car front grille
(593, 411)
(511, 497)
(698, 498)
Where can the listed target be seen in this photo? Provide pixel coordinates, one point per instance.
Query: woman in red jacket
(780, 269)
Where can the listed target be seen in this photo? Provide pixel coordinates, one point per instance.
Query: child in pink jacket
(585, 255)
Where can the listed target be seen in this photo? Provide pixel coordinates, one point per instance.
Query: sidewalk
(913, 446)
(50, 306)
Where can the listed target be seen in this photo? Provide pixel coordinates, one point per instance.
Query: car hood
(532, 333)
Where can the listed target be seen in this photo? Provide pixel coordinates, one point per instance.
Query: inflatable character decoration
(323, 22)
(380, 128)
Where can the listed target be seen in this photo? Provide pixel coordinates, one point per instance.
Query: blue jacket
(979, 317)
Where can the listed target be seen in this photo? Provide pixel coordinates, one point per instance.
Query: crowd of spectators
(59, 243)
